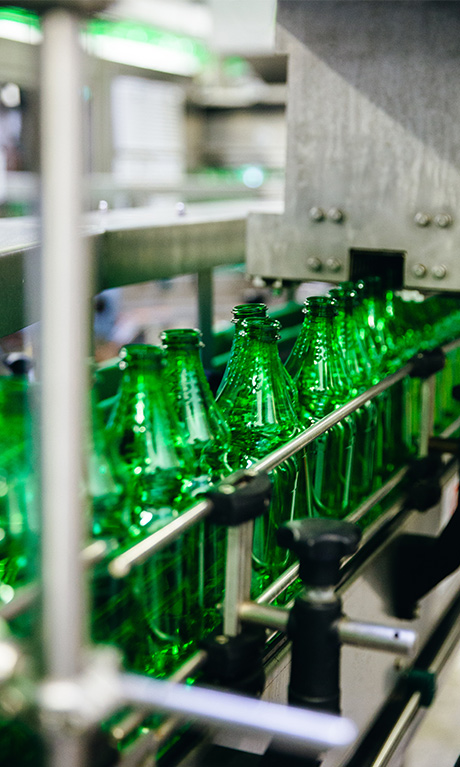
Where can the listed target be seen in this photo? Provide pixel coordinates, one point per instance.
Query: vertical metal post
(205, 313)
(64, 296)
(426, 414)
(237, 575)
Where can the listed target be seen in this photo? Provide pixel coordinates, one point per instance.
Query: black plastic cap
(320, 545)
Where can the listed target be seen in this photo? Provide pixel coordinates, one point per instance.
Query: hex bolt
(336, 215)
(317, 214)
(443, 220)
(333, 264)
(419, 270)
(439, 271)
(314, 264)
(422, 219)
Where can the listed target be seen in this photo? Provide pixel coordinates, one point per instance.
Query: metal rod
(237, 574)
(378, 496)
(26, 596)
(121, 565)
(449, 347)
(64, 329)
(65, 301)
(377, 637)
(290, 448)
(264, 615)
(451, 429)
(278, 586)
(310, 730)
(135, 718)
(426, 415)
(397, 733)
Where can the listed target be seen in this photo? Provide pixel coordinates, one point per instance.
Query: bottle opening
(178, 337)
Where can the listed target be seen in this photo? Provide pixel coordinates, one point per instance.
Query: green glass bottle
(155, 614)
(365, 418)
(323, 386)
(18, 522)
(208, 437)
(261, 417)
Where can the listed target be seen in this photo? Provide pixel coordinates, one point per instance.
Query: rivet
(419, 270)
(422, 219)
(439, 271)
(336, 215)
(333, 264)
(259, 282)
(227, 489)
(314, 264)
(443, 220)
(221, 639)
(317, 214)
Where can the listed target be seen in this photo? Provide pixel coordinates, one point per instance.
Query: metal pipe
(237, 574)
(294, 728)
(264, 615)
(426, 415)
(64, 321)
(121, 565)
(290, 448)
(377, 637)
(397, 733)
(26, 596)
(65, 300)
(278, 586)
(378, 496)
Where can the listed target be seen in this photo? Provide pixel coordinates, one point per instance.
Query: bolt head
(317, 214)
(221, 639)
(333, 264)
(443, 220)
(314, 264)
(439, 271)
(422, 219)
(259, 282)
(419, 270)
(336, 215)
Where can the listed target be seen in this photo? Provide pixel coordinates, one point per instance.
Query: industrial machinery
(371, 188)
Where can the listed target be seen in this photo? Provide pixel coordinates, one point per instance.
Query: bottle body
(322, 386)
(154, 613)
(261, 417)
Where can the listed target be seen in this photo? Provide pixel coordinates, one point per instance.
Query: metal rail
(121, 565)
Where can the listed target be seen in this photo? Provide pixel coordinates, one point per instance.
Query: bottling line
(371, 182)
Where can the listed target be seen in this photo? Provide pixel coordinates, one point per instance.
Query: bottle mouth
(371, 286)
(320, 306)
(243, 311)
(346, 298)
(181, 337)
(140, 353)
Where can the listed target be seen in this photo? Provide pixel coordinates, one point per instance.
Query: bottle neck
(321, 377)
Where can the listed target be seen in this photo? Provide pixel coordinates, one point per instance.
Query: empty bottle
(208, 437)
(161, 602)
(261, 417)
(323, 386)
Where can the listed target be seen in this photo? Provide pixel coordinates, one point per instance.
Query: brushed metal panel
(373, 130)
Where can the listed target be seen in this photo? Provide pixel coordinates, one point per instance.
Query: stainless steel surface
(205, 315)
(426, 415)
(238, 571)
(377, 637)
(397, 733)
(134, 245)
(64, 319)
(277, 587)
(365, 80)
(308, 731)
(65, 303)
(264, 615)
